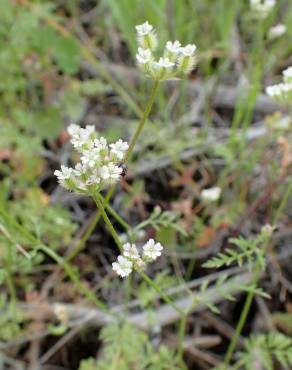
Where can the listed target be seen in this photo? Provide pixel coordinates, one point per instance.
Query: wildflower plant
(100, 164)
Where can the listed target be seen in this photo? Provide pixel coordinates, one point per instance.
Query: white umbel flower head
(110, 172)
(277, 31)
(211, 194)
(262, 8)
(152, 250)
(130, 251)
(281, 92)
(146, 36)
(123, 266)
(287, 75)
(119, 149)
(99, 162)
(175, 60)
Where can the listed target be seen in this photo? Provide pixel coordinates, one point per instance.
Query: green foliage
(162, 219)
(247, 252)
(50, 223)
(11, 320)
(226, 287)
(125, 347)
(265, 350)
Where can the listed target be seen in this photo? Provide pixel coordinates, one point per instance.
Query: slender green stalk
(242, 319)
(143, 120)
(89, 231)
(181, 336)
(132, 144)
(108, 222)
(120, 220)
(161, 293)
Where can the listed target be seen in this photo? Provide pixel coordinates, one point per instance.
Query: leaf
(167, 236)
(67, 53)
(48, 123)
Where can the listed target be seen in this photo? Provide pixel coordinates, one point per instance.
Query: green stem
(89, 231)
(108, 222)
(242, 319)
(143, 120)
(120, 220)
(181, 337)
(161, 293)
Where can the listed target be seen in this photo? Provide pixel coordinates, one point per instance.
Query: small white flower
(188, 50)
(92, 180)
(152, 250)
(144, 56)
(91, 157)
(110, 172)
(277, 31)
(80, 170)
(144, 29)
(100, 144)
(173, 47)
(73, 129)
(64, 176)
(164, 63)
(211, 194)
(81, 137)
(123, 267)
(130, 251)
(287, 74)
(119, 149)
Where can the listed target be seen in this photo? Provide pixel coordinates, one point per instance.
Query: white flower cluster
(130, 258)
(282, 92)
(262, 8)
(176, 59)
(211, 194)
(277, 31)
(99, 162)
